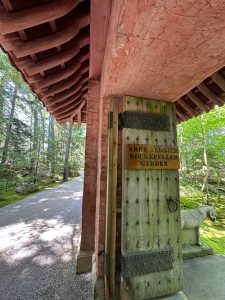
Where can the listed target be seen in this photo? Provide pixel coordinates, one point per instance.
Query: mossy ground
(212, 234)
(9, 195)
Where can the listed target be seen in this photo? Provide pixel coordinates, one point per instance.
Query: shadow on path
(39, 239)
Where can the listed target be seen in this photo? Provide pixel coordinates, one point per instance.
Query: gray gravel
(39, 240)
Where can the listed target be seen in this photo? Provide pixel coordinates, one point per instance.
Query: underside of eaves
(49, 43)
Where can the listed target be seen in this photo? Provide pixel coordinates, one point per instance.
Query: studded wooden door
(151, 258)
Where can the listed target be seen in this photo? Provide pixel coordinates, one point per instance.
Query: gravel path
(39, 238)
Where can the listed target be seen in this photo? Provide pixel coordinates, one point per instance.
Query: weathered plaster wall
(157, 49)
(161, 49)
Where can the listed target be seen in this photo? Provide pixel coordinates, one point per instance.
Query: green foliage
(9, 195)
(190, 137)
(32, 145)
(212, 234)
(202, 153)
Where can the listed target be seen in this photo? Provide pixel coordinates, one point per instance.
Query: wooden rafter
(65, 94)
(55, 78)
(219, 80)
(66, 109)
(181, 115)
(187, 107)
(70, 116)
(65, 103)
(8, 6)
(64, 117)
(66, 85)
(76, 112)
(59, 47)
(35, 16)
(203, 106)
(55, 60)
(56, 39)
(210, 94)
(37, 57)
(178, 119)
(55, 63)
(79, 118)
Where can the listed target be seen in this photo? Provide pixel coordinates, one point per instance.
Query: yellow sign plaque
(152, 157)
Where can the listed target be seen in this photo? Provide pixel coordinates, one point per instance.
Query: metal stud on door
(151, 263)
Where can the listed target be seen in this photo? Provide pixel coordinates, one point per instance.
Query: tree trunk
(34, 141)
(2, 103)
(51, 146)
(66, 161)
(183, 166)
(2, 95)
(42, 118)
(9, 128)
(205, 167)
(218, 186)
(49, 143)
(37, 163)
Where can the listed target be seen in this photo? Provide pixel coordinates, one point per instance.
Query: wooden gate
(151, 258)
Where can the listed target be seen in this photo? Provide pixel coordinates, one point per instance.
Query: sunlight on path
(39, 240)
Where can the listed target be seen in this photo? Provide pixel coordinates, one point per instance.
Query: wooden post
(111, 201)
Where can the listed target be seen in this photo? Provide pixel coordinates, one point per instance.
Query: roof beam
(178, 120)
(68, 116)
(70, 70)
(55, 60)
(58, 48)
(210, 95)
(8, 6)
(54, 105)
(35, 16)
(187, 107)
(100, 15)
(66, 94)
(181, 115)
(78, 110)
(79, 118)
(66, 109)
(219, 80)
(84, 88)
(65, 85)
(66, 102)
(56, 39)
(203, 106)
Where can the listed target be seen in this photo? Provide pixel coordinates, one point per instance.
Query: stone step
(191, 251)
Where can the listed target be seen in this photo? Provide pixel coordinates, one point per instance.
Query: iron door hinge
(141, 263)
(110, 120)
(120, 121)
(144, 120)
(106, 264)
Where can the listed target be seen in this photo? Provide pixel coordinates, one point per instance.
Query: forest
(202, 173)
(35, 152)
